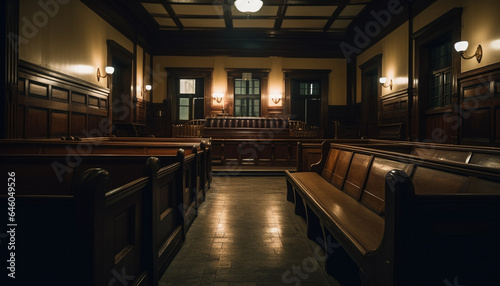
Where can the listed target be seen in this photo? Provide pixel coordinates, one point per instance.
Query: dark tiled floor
(247, 234)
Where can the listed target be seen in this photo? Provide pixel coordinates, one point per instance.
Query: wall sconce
(218, 96)
(147, 88)
(383, 81)
(276, 98)
(109, 70)
(462, 46)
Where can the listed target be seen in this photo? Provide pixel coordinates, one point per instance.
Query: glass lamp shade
(109, 69)
(248, 6)
(383, 80)
(461, 46)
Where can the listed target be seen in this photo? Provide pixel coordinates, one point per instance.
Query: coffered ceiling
(296, 28)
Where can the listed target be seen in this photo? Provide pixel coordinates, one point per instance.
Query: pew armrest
(318, 166)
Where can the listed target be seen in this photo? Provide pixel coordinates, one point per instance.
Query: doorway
(306, 101)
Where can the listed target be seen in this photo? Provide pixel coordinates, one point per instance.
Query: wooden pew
(441, 220)
(91, 220)
(309, 153)
(204, 158)
(204, 150)
(476, 155)
(194, 161)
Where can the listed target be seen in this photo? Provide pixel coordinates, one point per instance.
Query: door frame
(367, 106)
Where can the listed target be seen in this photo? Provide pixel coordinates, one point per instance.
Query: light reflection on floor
(246, 234)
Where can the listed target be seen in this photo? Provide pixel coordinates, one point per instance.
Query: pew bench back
(441, 189)
(96, 216)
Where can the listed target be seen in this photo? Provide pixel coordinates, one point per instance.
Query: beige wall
(394, 50)
(480, 22)
(337, 79)
(73, 38)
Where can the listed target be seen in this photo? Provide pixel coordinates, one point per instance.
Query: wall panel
(78, 123)
(479, 108)
(51, 104)
(37, 123)
(59, 124)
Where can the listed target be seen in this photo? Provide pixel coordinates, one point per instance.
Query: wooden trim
(368, 115)
(55, 76)
(395, 94)
(480, 72)
(9, 63)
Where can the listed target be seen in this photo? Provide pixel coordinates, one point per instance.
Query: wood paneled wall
(394, 109)
(478, 114)
(50, 104)
(472, 119)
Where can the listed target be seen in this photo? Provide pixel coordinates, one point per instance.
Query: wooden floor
(246, 233)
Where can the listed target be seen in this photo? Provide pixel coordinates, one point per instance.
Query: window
(440, 73)
(309, 88)
(191, 99)
(247, 97)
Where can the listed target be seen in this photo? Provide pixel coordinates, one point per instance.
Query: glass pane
(441, 55)
(303, 88)
(237, 107)
(184, 101)
(256, 107)
(183, 112)
(187, 86)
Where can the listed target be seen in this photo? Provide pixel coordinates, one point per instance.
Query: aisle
(247, 234)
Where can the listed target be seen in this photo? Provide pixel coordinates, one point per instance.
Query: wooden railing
(216, 127)
(301, 129)
(192, 128)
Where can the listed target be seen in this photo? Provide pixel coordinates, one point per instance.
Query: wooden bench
(309, 153)
(204, 146)
(440, 221)
(195, 166)
(96, 218)
(476, 155)
(204, 155)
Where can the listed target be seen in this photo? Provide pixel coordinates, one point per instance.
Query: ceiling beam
(228, 15)
(335, 15)
(172, 15)
(281, 15)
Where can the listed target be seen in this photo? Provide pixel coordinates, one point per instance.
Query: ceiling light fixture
(248, 6)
